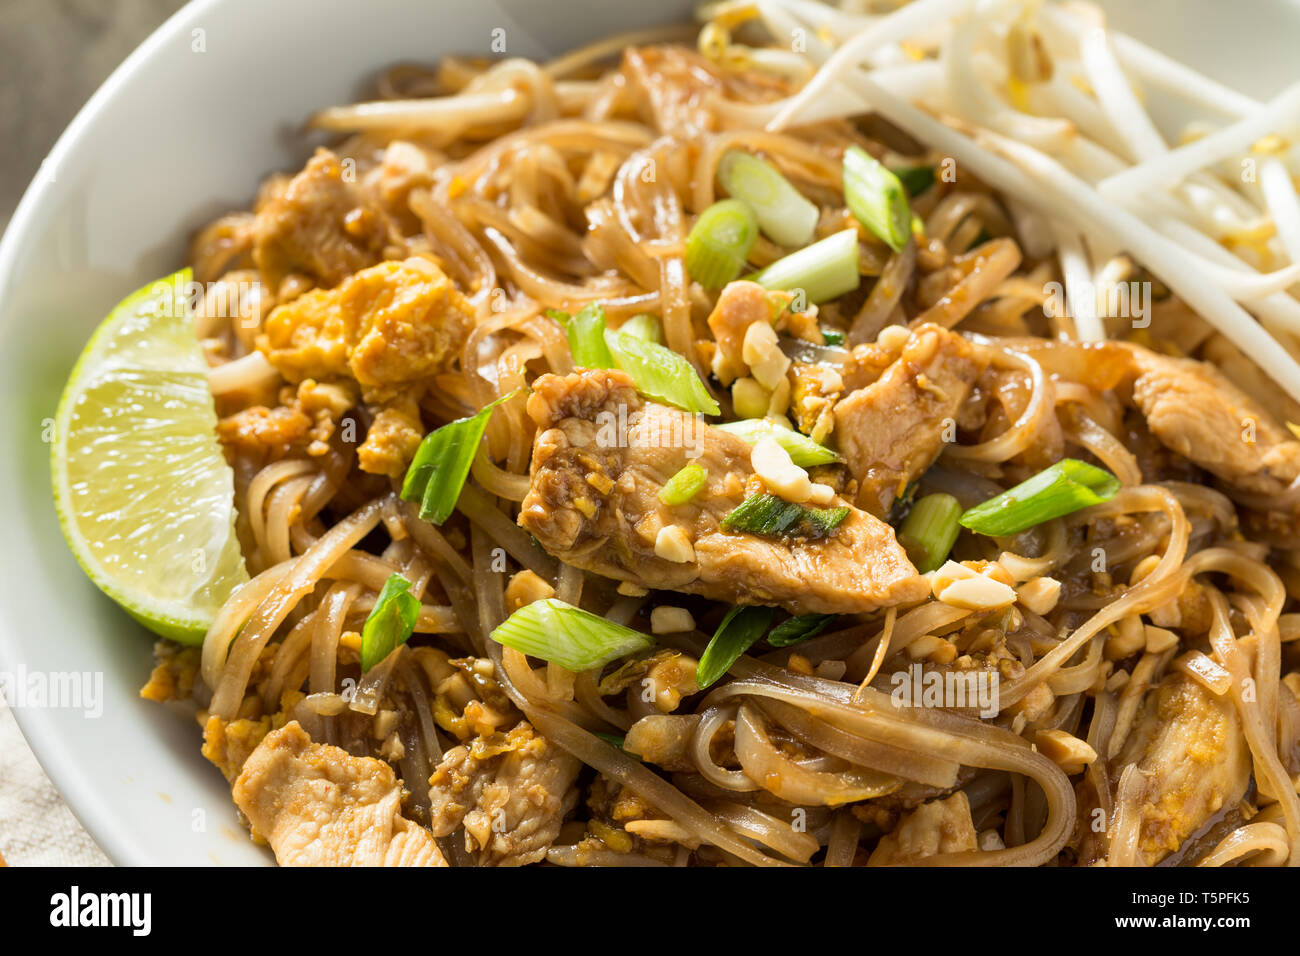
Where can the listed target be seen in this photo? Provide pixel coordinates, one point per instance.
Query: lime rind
(144, 495)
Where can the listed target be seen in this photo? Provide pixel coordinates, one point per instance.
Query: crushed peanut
(666, 619)
(782, 476)
(674, 544)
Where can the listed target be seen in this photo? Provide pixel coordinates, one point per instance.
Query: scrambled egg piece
(392, 324)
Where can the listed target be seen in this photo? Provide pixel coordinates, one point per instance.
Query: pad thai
(819, 435)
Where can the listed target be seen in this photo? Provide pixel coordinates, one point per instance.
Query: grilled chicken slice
(1189, 747)
(510, 791)
(318, 805)
(602, 455)
(891, 431)
(1195, 411)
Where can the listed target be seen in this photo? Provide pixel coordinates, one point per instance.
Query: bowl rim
(52, 752)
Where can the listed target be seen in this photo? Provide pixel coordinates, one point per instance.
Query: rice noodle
(537, 187)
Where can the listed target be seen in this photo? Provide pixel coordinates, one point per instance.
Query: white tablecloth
(36, 826)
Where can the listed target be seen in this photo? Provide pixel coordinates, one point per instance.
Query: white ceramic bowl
(184, 130)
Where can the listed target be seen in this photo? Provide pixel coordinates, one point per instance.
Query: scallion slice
(833, 337)
(784, 215)
(660, 373)
(773, 517)
(390, 623)
(585, 330)
(801, 627)
(825, 270)
(740, 630)
(915, 179)
(657, 371)
(1061, 489)
(441, 464)
(876, 198)
(719, 243)
(562, 634)
(684, 485)
(644, 326)
(803, 451)
(929, 530)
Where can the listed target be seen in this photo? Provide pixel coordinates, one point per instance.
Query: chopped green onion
(644, 326)
(684, 485)
(771, 516)
(441, 464)
(833, 336)
(1062, 489)
(562, 634)
(719, 243)
(915, 179)
(390, 622)
(803, 451)
(660, 373)
(784, 215)
(929, 531)
(614, 740)
(876, 198)
(799, 628)
(739, 631)
(586, 334)
(657, 371)
(825, 270)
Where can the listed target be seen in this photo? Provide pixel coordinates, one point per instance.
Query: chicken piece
(1195, 411)
(305, 419)
(601, 456)
(510, 791)
(320, 227)
(892, 430)
(392, 438)
(392, 324)
(1189, 746)
(317, 805)
(257, 428)
(940, 826)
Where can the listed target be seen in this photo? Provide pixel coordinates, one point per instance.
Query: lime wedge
(143, 492)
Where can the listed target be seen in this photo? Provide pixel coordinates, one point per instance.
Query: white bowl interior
(184, 131)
